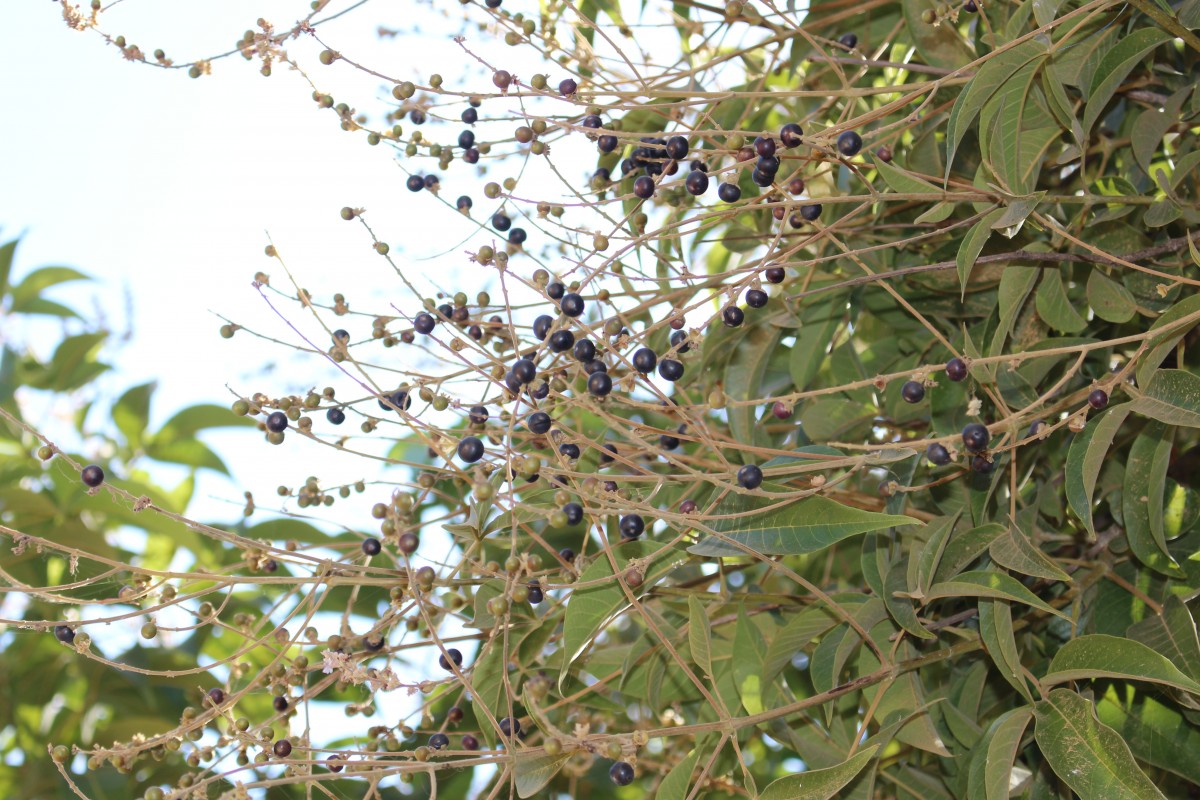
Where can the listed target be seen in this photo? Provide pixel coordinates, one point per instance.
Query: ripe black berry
(478, 415)
(733, 316)
(774, 274)
(470, 116)
(415, 183)
(455, 656)
(677, 148)
(756, 298)
(643, 187)
(431, 181)
(567, 87)
(277, 422)
(510, 726)
(670, 369)
(536, 595)
(644, 360)
(913, 391)
(466, 139)
(471, 155)
(969, 6)
(470, 449)
(469, 742)
(64, 634)
(956, 369)
(561, 341)
(696, 183)
(335, 416)
(607, 143)
(848, 41)
(976, 437)
(501, 221)
(760, 178)
(849, 143)
(790, 134)
(982, 465)
(567, 555)
(408, 543)
(632, 526)
(768, 164)
(423, 323)
(216, 695)
(374, 643)
(524, 370)
(279, 703)
(1098, 399)
(517, 236)
(592, 121)
(574, 513)
(937, 454)
(571, 304)
(555, 290)
(282, 748)
(438, 741)
(605, 458)
(599, 384)
(679, 340)
(541, 326)
(621, 773)
(810, 212)
(750, 476)
(764, 146)
(729, 192)
(538, 422)
(595, 365)
(93, 475)
(584, 350)
(371, 547)
(569, 450)
(398, 399)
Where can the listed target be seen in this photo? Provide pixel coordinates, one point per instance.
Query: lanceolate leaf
(533, 772)
(1086, 457)
(1115, 65)
(1171, 633)
(1173, 397)
(1098, 655)
(819, 784)
(804, 526)
(973, 243)
(1087, 755)
(1155, 730)
(1143, 497)
(999, 585)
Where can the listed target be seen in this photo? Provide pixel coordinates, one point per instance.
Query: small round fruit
(93, 475)
(277, 422)
(510, 726)
(371, 547)
(774, 274)
(423, 323)
(849, 143)
(541, 326)
(956, 369)
(469, 742)
(790, 134)
(975, 437)
(470, 449)
(524, 370)
(733, 316)
(632, 526)
(750, 476)
(409, 542)
(696, 183)
(282, 748)
(644, 360)
(539, 422)
(607, 143)
(584, 350)
(561, 341)
(335, 416)
(670, 369)
(599, 384)
(937, 454)
(621, 773)
(848, 41)
(913, 391)
(60, 754)
(1098, 399)
(64, 633)
(478, 415)
(679, 340)
(969, 6)
(756, 298)
(811, 212)
(438, 741)
(571, 304)
(729, 192)
(567, 87)
(573, 512)
(643, 187)
(415, 183)
(982, 465)
(455, 656)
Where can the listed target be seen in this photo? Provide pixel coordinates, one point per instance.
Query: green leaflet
(819, 784)
(1173, 397)
(803, 526)
(1087, 755)
(1099, 655)
(1116, 63)
(1086, 457)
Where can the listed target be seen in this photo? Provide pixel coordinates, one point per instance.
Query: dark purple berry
(423, 323)
(848, 41)
(811, 212)
(282, 748)
(455, 656)
(913, 391)
(982, 465)
(280, 703)
(415, 183)
(524, 370)
(466, 139)
(774, 275)
(584, 350)
(501, 221)
(696, 183)
(574, 513)
(643, 187)
(567, 87)
(956, 369)
(541, 326)
(561, 341)
(569, 450)
(470, 116)
(790, 134)
(644, 360)
(849, 143)
(555, 290)
(756, 298)
(510, 726)
(335, 416)
(670, 369)
(937, 454)
(733, 316)
(1098, 399)
(606, 143)
(470, 449)
(679, 340)
(538, 422)
(64, 633)
(621, 773)
(469, 742)
(371, 547)
(567, 555)
(277, 422)
(599, 384)
(517, 236)
(632, 526)
(478, 415)
(93, 475)
(729, 192)
(750, 476)
(438, 741)
(975, 437)
(571, 304)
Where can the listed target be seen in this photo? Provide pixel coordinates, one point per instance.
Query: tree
(831, 438)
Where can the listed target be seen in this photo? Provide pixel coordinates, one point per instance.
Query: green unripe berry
(327, 57)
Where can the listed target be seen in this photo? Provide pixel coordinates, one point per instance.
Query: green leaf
(190, 452)
(901, 181)
(744, 376)
(1161, 344)
(591, 607)
(938, 535)
(131, 412)
(1156, 733)
(1152, 125)
(1111, 301)
(1116, 63)
(7, 251)
(1173, 397)
(675, 785)
(1000, 745)
(803, 526)
(901, 607)
(819, 784)
(972, 244)
(699, 636)
(1087, 755)
(1014, 551)
(991, 76)
(963, 548)
(1099, 655)
(1143, 496)
(38, 280)
(996, 631)
(749, 648)
(188, 422)
(1001, 122)
(820, 321)
(988, 583)
(1171, 633)
(1086, 457)
(1055, 307)
(533, 772)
